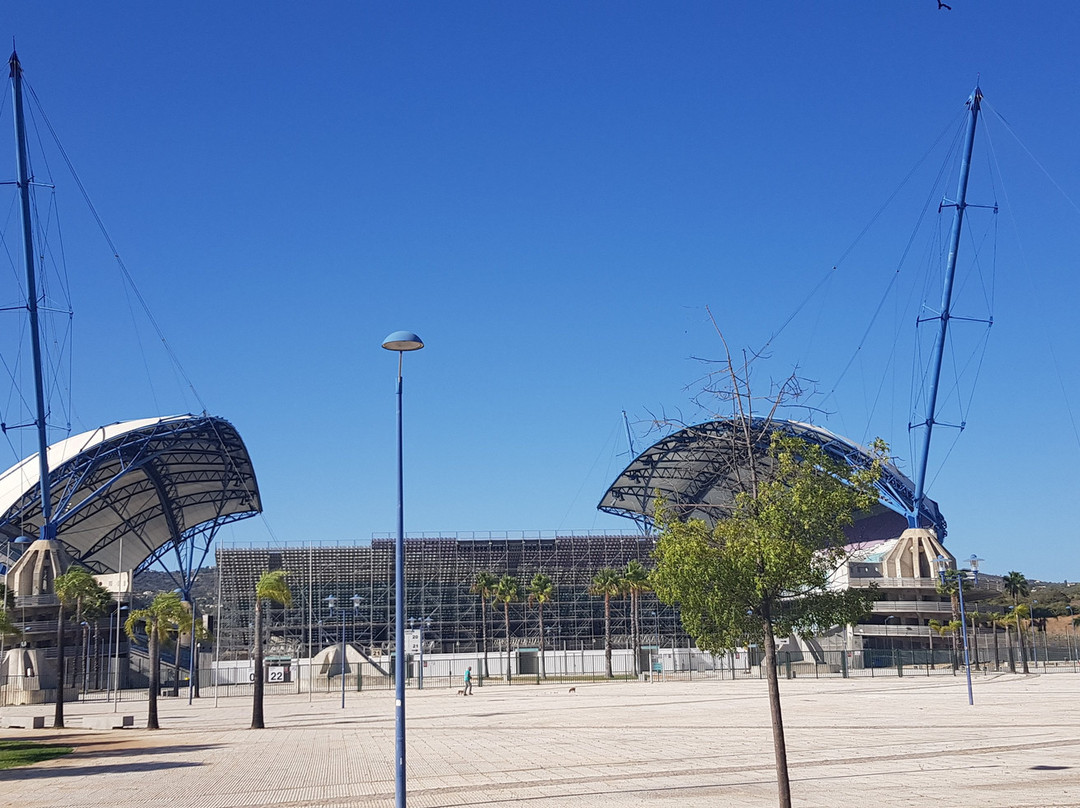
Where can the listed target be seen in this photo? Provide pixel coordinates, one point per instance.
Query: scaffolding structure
(440, 571)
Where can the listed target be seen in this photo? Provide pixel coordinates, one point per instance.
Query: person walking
(468, 681)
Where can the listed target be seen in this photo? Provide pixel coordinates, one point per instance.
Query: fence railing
(299, 677)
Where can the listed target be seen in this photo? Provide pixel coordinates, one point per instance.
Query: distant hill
(149, 583)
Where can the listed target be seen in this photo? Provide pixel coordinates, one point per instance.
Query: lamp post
(119, 606)
(359, 670)
(330, 602)
(1072, 637)
(1035, 646)
(888, 639)
(400, 341)
(942, 565)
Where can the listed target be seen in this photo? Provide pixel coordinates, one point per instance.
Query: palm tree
(541, 590)
(608, 583)
(271, 586)
(74, 588)
(635, 580)
(484, 586)
(1018, 587)
(505, 592)
(950, 629)
(157, 620)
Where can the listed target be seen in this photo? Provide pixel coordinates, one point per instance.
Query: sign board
(119, 583)
(412, 641)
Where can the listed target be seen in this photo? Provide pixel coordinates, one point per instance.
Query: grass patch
(27, 753)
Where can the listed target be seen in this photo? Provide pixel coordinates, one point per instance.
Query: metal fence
(562, 667)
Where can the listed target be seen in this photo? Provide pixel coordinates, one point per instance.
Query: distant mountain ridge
(149, 583)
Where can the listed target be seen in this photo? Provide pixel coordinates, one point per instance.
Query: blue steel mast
(47, 527)
(946, 302)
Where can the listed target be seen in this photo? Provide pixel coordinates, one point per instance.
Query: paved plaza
(851, 742)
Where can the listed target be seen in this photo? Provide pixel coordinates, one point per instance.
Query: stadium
(155, 492)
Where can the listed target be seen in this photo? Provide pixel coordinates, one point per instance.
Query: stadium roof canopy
(697, 470)
(153, 486)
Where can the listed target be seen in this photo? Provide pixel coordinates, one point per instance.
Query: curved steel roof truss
(153, 486)
(698, 470)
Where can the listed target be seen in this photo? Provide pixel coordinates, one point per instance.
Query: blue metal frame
(946, 307)
(697, 463)
(156, 463)
(47, 527)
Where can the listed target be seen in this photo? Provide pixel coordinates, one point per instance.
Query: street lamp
(1034, 645)
(888, 640)
(1072, 637)
(973, 562)
(85, 626)
(330, 602)
(400, 341)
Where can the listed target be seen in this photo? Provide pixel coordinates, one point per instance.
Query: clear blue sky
(550, 195)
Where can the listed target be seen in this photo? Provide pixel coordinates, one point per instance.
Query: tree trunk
(154, 648)
(543, 669)
(97, 656)
(257, 700)
(955, 632)
(779, 746)
(607, 637)
(176, 665)
(1008, 645)
(483, 630)
(997, 660)
(506, 616)
(58, 713)
(1020, 639)
(78, 673)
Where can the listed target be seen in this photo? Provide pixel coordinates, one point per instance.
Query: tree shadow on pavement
(9, 775)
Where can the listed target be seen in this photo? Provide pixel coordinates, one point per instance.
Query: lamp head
(403, 341)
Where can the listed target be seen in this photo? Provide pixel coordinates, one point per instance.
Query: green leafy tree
(75, 589)
(157, 621)
(635, 581)
(271, 586)
(950, 628)
(607, 583)
(763, 570)
(506, 592)
(7, 625)
(541, 591)
(1018, 587)
(484, 586)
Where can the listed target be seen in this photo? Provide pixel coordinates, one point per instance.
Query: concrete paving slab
(880, 742)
